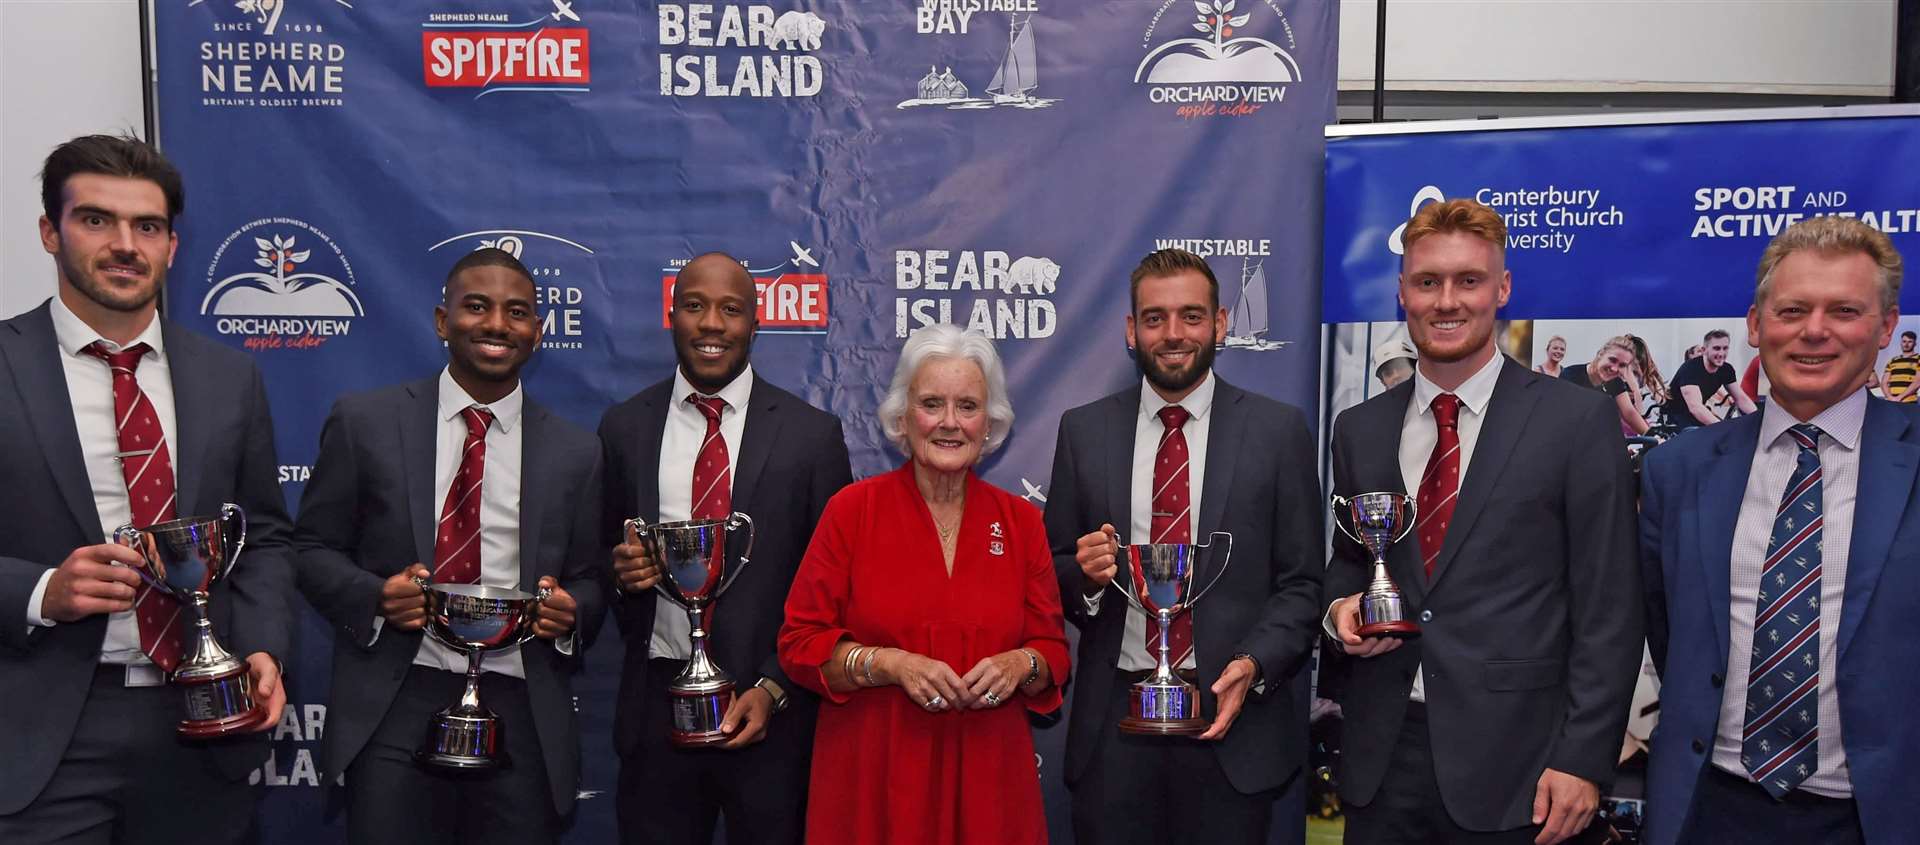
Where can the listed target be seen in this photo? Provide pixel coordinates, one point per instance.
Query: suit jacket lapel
(1507, 411)
(536, 487)
(1717, 500)
(418, 443)
(33, 355)
(756, 442)
(1887, 464)
(647, 442)
(1119, 448)
(195, 398)
(1226, 427)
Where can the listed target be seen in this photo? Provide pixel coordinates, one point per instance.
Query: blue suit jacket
(224, 454)
(1690, 491)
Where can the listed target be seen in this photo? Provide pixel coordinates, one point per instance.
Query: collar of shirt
(1840, 421)
(74, 335)
(1474, 393)
(1197, 403)
(737, 392)
(454, 399)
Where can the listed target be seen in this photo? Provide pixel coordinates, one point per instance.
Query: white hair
(944, 340)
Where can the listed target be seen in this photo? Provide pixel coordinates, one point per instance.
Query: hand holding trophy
(693, 572)
(1160, 582)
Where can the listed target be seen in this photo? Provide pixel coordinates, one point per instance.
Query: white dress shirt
(679, 448)
(499, 508)
(1774, 457)
(1147, 431)
(90, 389)
(1418, 435)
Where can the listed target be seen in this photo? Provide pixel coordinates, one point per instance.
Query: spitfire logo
(792, 293)
(709, 50)
(289, 295)
(558, 267)
(1016, 79)
(1243, 286)
(1000, 296)
(1219, 74)
(259, 56)
(495, 51)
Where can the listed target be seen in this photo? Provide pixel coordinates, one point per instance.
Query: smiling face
(1556, 350)
(1173, 330)
(1714, 353)
(1610, 362)
(713, 321)
(1452, 285)
(946, 416)
(1820, 329)
(112, 244)
(490, 327)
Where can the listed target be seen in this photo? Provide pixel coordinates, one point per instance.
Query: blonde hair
(1833, 236)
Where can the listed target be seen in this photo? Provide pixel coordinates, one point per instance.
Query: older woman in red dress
(927, 614)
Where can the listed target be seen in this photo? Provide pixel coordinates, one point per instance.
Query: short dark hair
(487, 256)
(1716, 333)
(1907, 336)
(1171, 262)
(108, 155)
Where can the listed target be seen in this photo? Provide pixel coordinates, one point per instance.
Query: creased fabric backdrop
(878, 165)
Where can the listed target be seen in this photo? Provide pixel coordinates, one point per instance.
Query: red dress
(884, 769)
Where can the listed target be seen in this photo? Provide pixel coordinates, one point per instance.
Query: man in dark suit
(1177, 458)
(1501, 722)
(1777, 551)
(457, 478)
(89, 751)
(772, 456)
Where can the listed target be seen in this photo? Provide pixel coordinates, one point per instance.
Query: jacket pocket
(1509, 675)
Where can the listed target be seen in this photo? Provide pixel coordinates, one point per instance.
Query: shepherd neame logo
(709, 50)
(262, 56)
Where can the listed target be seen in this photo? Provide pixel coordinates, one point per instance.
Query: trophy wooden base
(1154, 727)
(1398, 629)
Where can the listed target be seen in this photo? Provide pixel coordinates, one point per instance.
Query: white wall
(1820, 47)
(67, 68)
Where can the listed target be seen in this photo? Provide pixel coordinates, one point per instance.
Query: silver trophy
(692, 556)
(1160, 582)
(1377, 521)
(184, 558)
(473, 620)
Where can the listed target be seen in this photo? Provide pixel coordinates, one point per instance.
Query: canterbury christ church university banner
(879, 166)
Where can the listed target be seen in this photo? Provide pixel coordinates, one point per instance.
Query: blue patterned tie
(1780, 745)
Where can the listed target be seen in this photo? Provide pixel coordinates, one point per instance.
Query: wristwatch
(774, 692)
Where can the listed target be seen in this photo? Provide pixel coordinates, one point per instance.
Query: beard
(1170, 381)
(103, 293)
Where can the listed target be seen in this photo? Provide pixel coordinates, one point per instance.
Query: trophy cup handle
(1413, 516)
(533, 613)
(1340, 504)
(423, 584)
(230, 514)
(734, 521)
(1225, 558)
(129, 536)
(1121, 566)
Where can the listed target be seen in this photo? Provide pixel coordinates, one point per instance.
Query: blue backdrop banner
(1656, 217)
(1000, 164)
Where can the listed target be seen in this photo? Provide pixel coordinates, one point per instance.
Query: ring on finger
(936, 703)
(992, 698)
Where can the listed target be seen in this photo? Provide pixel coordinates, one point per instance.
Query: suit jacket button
(1699, 747)
(1718, 681)
(1426, 616)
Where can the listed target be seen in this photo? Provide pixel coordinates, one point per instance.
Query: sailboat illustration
(1247, 321)
(1013, 81)
(1018, 73)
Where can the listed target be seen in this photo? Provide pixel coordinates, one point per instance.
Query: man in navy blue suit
(1778, 555)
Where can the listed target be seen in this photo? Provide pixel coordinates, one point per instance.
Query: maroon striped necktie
(456, 545)
(148, 470)
(1440, 483)
(1172, 521)
(712, 478)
